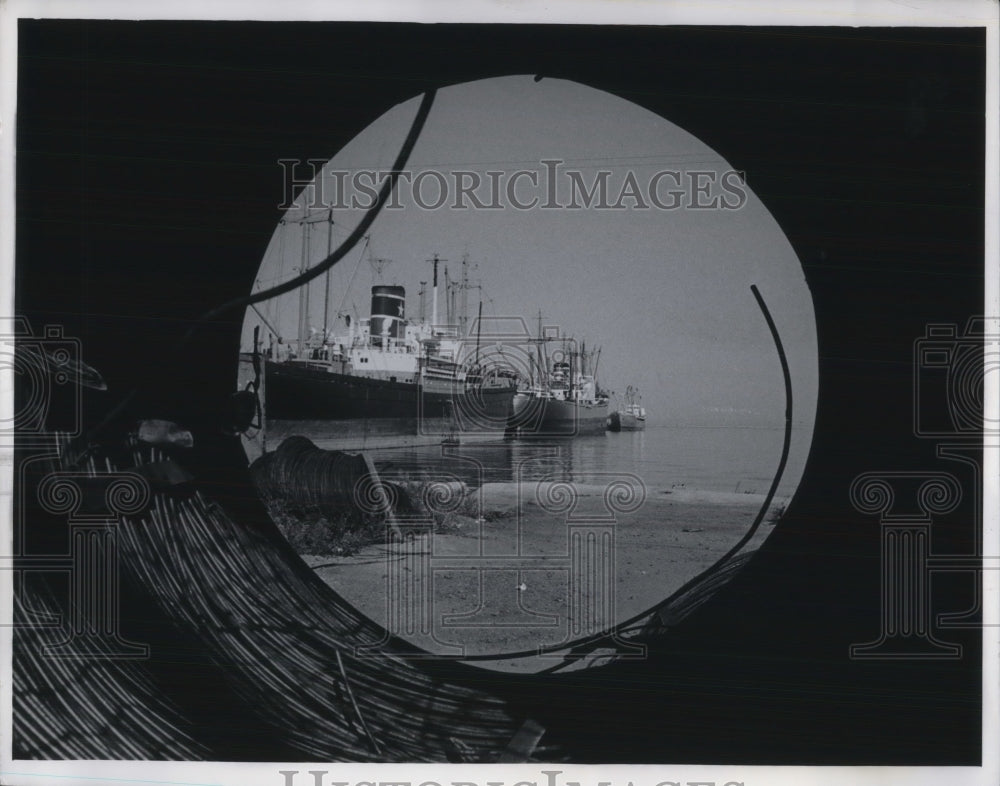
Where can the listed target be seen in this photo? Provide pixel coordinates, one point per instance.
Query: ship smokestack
(388, 311)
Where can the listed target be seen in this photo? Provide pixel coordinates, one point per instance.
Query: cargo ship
(563, 399)
(384, 382)
(630, 415)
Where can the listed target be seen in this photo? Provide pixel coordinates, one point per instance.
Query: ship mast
(329, 251)
(479, 330)
(304, 291)
(542, 370)
(306, 223)
(463, 320)
(449, 298)
(572, 357)
(464, 285)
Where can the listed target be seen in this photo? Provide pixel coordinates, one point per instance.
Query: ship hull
(350, 411)
(625, 421)
(547, 417)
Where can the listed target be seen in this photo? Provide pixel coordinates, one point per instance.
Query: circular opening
(594, 265)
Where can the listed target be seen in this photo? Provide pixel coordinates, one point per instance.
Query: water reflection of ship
(561, 397)
(477, 463)
(630, 415)
(384, 380)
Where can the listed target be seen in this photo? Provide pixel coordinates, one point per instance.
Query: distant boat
(631, 415)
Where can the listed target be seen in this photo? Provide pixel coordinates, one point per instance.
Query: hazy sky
(665, 293)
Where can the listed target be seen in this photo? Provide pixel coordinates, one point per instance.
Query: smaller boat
(630, 415)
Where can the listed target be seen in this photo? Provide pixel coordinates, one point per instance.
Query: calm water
(664, 457)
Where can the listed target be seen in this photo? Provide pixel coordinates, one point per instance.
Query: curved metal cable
(350, 241)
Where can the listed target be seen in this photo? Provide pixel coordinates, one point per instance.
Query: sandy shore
(537, 570)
